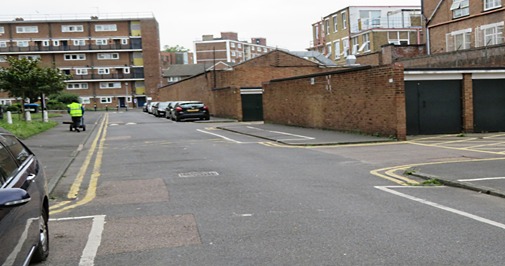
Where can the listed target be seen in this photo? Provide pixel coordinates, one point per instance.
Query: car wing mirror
(13, 197)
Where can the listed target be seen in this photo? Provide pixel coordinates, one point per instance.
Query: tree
(26, 79)
(173, 49)
(65, 97)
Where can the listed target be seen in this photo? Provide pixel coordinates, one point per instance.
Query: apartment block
(114, 59)
(358, 30)
(176, 58)
(463, 24)
(228, 48)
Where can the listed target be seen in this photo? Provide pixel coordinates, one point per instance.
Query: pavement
(58, 147)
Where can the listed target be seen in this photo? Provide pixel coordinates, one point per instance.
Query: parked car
(150, 107)
(159, 109)
(190, 109)
(169, 109)
(24, 207)
(145, 107)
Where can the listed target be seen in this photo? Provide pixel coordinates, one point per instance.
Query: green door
(252, 107)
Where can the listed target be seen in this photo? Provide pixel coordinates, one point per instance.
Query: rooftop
(75, 16)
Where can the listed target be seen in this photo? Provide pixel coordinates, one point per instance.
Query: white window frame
(85, 100)
(491, 4)
(126, 70)
(335, 23)
(72, 28)
(101, 42)
(366, 43)
(327, 22)
(105, 99)
(104, 71)
(3, 58)
(398, 40)
(108, 56)
(29, 56)
(45, 43)
(106, 27)
(106, 85)
(451, 40)
(481, 34)
(460, 8)
(344, 20)
(239, 45)
(124, 41)
(316, 28)
(27, 29)
(345, 46)
(232, 45)
(129, 99)
(2, 30)
(337, 49)
(22, 43)
(77, 86)
(355, 45)
(252, 48)
(3, 44)
(81, 71)
(56, 43)
(72, 57)
(79, 42)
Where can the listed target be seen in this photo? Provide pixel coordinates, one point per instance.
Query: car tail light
(205, 107)
(178, 109)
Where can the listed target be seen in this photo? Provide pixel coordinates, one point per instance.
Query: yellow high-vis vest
(75, 109)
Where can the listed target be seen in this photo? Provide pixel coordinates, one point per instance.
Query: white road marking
(436, 205)
(480, 179)
(131, 123)
(94, 238)
(114, 125)
(217, 135)
(14, 254)
(283, 133)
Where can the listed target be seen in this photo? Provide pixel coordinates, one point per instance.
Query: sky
(285, 24)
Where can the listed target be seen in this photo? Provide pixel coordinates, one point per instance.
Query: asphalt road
(156, 192)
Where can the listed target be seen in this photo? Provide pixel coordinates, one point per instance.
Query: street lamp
(126, 96)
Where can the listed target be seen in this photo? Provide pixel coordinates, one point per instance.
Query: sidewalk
(299, 136)
(57, 147)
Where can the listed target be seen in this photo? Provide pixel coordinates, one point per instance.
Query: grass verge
(23, 129)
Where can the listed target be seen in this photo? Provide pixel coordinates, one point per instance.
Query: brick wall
(228, 102)
(151, 56)
(372, 59)
(366, 99)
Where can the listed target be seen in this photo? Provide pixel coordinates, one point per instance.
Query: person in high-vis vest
(76, 110)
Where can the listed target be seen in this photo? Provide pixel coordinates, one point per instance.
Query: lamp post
(126, 96)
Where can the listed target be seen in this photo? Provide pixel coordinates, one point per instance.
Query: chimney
(20, 19)
(229, 36)
(208, 37)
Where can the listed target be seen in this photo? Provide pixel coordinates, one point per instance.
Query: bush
(55, 105)
(14, 108)
(64, 97)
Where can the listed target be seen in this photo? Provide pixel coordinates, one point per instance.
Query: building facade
(358, 30)
(113, 62)
(228, 48)
(176, 58)
(463, 24)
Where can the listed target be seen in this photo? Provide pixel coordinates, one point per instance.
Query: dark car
(24, 207)
(159, 109)
(190, 109)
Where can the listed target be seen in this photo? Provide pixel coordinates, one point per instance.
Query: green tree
(26, 79)
(173, 49)
(65, 97)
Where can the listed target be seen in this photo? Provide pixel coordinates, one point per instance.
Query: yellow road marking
(91, 192)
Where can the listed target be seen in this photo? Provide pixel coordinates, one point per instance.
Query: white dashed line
(481, 179)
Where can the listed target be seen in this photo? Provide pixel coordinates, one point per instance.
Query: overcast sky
(285, 24)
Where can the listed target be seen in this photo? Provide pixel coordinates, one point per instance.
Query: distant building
(177, 58)
(357, 30)
(113, 59)
(228, 48)
(176, 73)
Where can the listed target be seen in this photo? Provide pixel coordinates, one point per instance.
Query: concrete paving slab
(300, 136)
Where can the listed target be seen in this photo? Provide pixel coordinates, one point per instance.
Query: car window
(8, 165)
(188, 105)
(18, 150)
(163, 105)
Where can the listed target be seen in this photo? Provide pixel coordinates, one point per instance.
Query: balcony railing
(71, 48)
(108, 76)
(396, 22)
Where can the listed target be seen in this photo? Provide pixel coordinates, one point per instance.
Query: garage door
(433, 107)
(489, 105)
(252, 104)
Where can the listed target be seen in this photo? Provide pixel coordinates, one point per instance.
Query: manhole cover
(197, 174)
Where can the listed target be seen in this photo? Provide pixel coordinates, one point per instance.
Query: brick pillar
(401, 110)
(467, 93)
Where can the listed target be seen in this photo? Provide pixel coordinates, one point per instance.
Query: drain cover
(197, 174)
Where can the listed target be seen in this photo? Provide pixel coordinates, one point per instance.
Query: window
(366, 43)
(17, 149)
(490, 4)
(2, 30)
(103, 71)
(239, 53)
(45, 43)
(124, 41)
(111, 27)
(27, 29)
(316, 28)
(129, 99)
(337, 49)
(8, 166)
(79, 42)
(31, 57)
(232, 45)
(399, 37)
(3, 58)
(81, 71)
(75, 57)
(335, 23)
(458, 40)
(3, 44)
(126, 70)
(490, 34)
(105, 100)
(239, 45)
(101, 41)
(355, 45)
(22, 43)
(460, 8)
(370, 18)
(327, 26)
(56, 43)
(77, 86)
(344, 20)
(108, 56)
(233, 53)
(345, 45)
(328, 50)
(106, 85)
(252, 48)
(72, 28)
(85, 100)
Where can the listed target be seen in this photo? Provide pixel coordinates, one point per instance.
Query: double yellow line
(91, 192)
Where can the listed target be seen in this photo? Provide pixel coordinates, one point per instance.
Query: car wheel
(42, 250)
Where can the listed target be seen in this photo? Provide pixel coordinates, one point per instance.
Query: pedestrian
(76, 110)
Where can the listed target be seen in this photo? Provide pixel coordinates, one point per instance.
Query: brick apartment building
(176, 58)
(228, 48)
(114, 59)
(358, 30)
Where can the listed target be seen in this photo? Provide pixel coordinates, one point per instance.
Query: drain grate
(198, 174)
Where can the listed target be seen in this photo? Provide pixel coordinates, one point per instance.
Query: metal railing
(70, 48)
(108, 76)
(76, 16)
(413, 21)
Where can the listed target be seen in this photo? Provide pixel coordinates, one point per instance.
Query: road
(149, 191)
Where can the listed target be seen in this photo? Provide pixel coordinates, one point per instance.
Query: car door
(19, 224)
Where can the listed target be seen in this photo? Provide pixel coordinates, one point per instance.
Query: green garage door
(489, 105)
(252, 104)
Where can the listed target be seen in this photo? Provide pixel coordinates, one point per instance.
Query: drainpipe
(428, 50)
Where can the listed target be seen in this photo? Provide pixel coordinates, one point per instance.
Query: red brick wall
(372, 59)
(151, 56)
(359, 100)
(467, 103)
(228, 103)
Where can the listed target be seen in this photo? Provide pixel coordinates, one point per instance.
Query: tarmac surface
(57, 148)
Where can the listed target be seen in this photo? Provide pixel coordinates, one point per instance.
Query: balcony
(108, 76)
(396, 21)
(40, 48)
